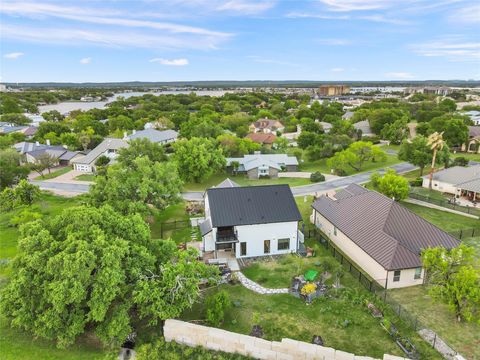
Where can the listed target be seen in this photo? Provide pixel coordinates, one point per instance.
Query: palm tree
(436, 143)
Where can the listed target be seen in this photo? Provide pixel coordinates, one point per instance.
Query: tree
(235, 165)
(280, 144)
(11, 170)
(378, 118)
(453, 278)
(306, 139)
(198, 158)
(236, 147)
(51, 127)
(391, 185)
(396, 131)
(436, 143)
(15, 119)
(137, 188)
(416, 152)
(355, 156)
(453, 127)
(200, 127)
(53, 115)
(44, 161)
(26, 193)
(216, 306)
(141, 148)
(70, 140)
(93, 269)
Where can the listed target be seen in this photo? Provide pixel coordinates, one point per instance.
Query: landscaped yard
(53, 174)
(321, 165)
(85, 177)
(177, 232)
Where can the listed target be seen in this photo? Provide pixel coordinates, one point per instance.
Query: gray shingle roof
(252, 205)
(108, 143)
(248, 162)
(458, 174)
(391, 234)
(154, 135)
(472, 185)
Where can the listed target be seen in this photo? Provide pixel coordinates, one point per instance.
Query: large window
(418, 273)
(266, 246)
(243, 248)
(283, 244)
(396, 275)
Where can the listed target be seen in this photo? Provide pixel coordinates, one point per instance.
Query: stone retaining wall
(221, 340)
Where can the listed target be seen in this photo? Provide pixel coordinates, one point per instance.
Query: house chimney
(37, 143)
(48, 142)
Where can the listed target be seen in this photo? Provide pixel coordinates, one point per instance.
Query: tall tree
(198, 158)
(391, 185)
(11, 171)
(141, 148)
(416, 152)
(94, 270)
(436, 143)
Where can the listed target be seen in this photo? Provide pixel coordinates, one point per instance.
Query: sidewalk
(437, 207)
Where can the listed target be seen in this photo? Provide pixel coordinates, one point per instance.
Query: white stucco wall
(362, 259)
(440, 186)
(254, 235)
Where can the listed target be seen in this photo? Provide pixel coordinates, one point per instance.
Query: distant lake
(67, 106)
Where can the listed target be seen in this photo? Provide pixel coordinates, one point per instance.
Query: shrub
(308, 289)
(216, 306)
(460, 161)
(417, 182)
(24, 216)
(374, 139)
(317, 177)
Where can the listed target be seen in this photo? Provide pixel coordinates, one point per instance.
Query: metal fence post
(434, 340)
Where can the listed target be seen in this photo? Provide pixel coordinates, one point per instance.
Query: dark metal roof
(391, 234)
(252, 205)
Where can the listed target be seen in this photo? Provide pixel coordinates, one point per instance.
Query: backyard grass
(54, 173)
(432, 194)
(464, 337)
(18, 345)
(469, 156)
(170, 215)
(85, 177)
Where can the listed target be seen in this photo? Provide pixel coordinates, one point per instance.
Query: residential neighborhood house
(379, 235)
(108, 147)
(262, 165)
(364, 126)
(457, 180)
(160, 137)
(266, 140)
(266, 126)
(32, 152)
(473, 144)
(250, 221)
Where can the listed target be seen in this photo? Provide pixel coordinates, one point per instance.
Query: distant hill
(250, 83)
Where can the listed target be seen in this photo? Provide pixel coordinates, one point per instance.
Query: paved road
(297, 190)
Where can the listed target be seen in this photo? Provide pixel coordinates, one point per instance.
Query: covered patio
(469, 192)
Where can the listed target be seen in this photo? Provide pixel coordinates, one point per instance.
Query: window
(243, 248)
(335, 231)
(266, 246)
(283, 244)
(396, 275)
(418, 273)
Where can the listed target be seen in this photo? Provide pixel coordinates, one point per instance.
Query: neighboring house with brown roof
(262, 139)
(379, 235)
(266, 126)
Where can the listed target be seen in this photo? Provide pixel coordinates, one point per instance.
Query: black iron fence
(173, 225)
(374, 287)
(465, 233)
(449, 204)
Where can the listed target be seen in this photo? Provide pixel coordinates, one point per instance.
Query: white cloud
(86, 61)
(466, 15)
(337, 42)
(13, 55)
(246, 7)
(399, 76)
(171, 62)
(337, 69)
(453, 48)
(356, 5)
(297, 14)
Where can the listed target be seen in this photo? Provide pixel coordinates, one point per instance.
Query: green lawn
(464, 337)
(242, 180)
(54, 174)
(321, 165)
(469, 156)
(85, 177)
(18, 345)
(432, 194)
(171, 214)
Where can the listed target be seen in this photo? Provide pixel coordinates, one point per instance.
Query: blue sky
(168, 40)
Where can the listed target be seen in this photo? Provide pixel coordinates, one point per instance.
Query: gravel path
(252, 285)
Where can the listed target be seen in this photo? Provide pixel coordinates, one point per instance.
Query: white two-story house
(250, 221)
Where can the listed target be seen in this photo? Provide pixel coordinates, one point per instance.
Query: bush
(417, 182)
(374, 139)
(216, 306)
(460, 161)
(317, 177)
(264, 176)
(24, 216)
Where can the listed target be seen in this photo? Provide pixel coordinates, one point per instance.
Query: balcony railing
(227, 237)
